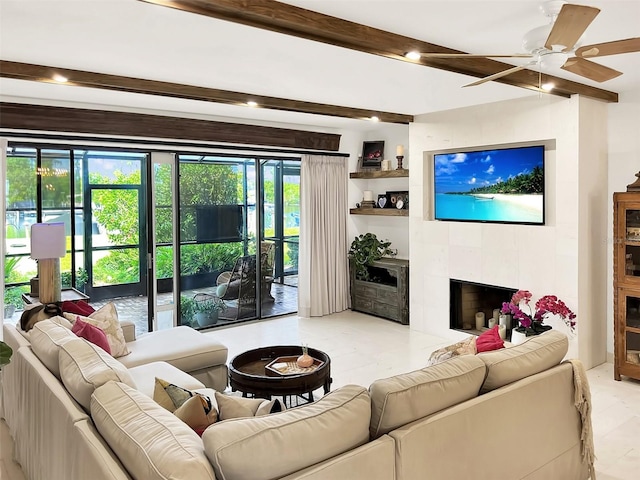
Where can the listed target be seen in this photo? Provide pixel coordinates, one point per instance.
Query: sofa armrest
(129, 330)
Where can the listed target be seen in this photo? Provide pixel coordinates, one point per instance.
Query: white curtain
(323, 271)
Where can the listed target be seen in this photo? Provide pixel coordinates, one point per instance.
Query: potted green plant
(366, 249)
(187, 310)
(207, 310)
(12, 301)
(5, 354)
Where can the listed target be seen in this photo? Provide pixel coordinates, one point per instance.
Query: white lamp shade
(48, 240)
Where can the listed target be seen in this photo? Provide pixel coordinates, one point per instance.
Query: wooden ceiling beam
(300, 22)
(43, 73)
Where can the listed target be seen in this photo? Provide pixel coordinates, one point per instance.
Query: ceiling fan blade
(504, 73)
(629, 45)
(571, 23)
(473, 55)
(591, 70)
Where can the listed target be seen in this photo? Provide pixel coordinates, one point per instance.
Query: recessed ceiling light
(547, 87)
(252, 103)
(59, 78)
(413, 55)
(375, 119)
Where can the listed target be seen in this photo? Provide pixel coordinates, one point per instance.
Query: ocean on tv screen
(490, 208)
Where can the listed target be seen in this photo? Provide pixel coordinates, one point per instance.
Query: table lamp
(48, 245)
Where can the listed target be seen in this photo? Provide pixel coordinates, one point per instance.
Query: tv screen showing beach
(501, 185)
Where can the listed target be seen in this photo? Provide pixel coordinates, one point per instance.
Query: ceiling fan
(557, 44)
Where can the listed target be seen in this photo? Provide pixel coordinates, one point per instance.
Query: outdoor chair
(240, 285)
(229, 284)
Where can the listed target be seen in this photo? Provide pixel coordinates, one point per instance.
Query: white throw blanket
(582, 402)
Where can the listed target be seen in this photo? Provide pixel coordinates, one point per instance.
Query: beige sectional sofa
(507, 414)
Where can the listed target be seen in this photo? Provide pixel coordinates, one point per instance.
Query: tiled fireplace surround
(566, 257)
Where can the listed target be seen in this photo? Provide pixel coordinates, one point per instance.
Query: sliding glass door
(218, 268)
(281, 198)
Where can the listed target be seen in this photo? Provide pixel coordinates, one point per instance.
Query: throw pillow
(489, 340)
(170, 396)
(91, 333)
(193, 408)
(198, 412)
(106, 319)
(80, 307)
(221, 290)
(240, 407)
(464, 347)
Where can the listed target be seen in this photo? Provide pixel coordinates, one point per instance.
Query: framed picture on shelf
(399, 200)
(372, 154)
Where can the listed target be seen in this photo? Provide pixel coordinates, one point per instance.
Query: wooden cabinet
(626, 283)
(386, 294)
(379, 174)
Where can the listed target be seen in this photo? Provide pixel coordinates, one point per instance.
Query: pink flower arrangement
(533, 324)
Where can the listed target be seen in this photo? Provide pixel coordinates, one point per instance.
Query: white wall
(624, 163)
(546, 259)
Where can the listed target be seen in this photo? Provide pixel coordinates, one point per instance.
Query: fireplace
(469, 298)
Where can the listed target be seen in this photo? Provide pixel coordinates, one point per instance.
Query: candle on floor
(479, 320)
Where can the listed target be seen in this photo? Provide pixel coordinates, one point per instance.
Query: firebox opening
(469, 298)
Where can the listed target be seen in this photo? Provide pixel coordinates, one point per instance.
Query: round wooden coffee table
(251, 373)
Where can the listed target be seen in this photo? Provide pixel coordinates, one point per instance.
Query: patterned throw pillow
(106, 319)
(464, 347)
(170, 396)
(196, 410)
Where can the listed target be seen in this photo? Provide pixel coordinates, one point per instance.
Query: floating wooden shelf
(380, 174)
(389, 212)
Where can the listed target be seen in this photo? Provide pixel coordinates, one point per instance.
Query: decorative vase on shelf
(517, 337)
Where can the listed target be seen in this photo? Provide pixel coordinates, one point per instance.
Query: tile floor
(364, 348)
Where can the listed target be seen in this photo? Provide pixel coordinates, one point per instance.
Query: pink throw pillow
(489, 340)
(81, 308)
(92, 334)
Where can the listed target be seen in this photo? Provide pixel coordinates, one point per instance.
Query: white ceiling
(131, 38)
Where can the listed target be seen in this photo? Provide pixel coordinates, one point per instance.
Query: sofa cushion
(106, 319)
(183, 347)
(84, 367)
(46, 338)
(150, 442)
(92, 334)
(402, 399)
(534, 355)
(145, 376)
(254, 447)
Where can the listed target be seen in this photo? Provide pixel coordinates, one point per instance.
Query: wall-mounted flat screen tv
(219, 223)
(501, 185)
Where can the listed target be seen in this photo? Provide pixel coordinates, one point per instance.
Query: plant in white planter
(207, 309)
